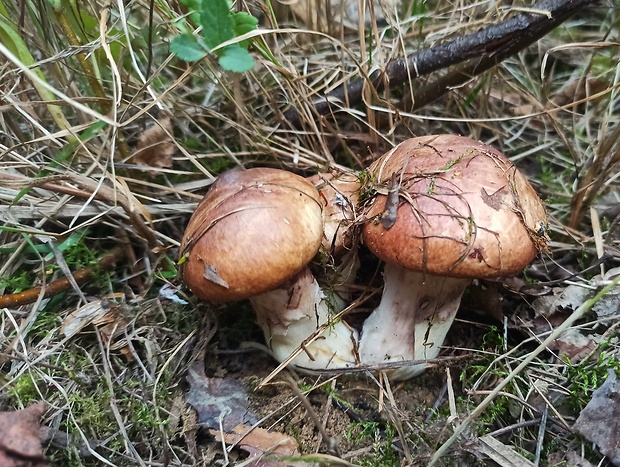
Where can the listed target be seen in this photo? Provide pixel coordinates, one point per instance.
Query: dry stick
(577, 314)
(59, 285)
(485, 49)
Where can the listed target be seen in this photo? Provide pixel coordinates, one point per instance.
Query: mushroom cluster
(445, 209)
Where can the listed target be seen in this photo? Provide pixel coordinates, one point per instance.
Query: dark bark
(480, 51)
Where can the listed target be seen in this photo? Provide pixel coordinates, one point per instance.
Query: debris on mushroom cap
(339, 195)
(252, 230)
(464, 210)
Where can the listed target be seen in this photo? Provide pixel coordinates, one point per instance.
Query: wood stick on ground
(60, 285)
(481, 50)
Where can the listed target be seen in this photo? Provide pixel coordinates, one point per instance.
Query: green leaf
(244, 23)
(194, 7)
(237, 59)
(217, 22)
(187, 48)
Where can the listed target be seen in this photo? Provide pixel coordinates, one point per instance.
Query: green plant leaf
(237, 59)
(187, 48)
(194, 7)
(217, 22)
(192, 4)
(244, 23)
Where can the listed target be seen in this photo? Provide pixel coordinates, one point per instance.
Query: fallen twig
(478, 51)
(333, 446)
(60, 285)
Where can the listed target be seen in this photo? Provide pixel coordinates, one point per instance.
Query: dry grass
(108, 141)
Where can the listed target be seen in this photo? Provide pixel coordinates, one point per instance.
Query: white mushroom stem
(411, 322)
(292, 313)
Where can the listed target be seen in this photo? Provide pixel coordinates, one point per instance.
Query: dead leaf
(155, 146)
(504, 455)
(574, 345)
(106, 316)
(560, 301)
(216, 399)
(568, 299)
(553, 309)
(83, 316)
(578, 88)
(259, 442)
(20, 444)
(609, 305)
(599, 421)
(568, 459)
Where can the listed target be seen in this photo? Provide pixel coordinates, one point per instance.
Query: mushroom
(252, 237)
(340, 194)
(455, 209)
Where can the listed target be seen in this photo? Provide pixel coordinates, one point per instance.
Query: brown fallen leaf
(155, 146)
(260, 443)
(106, 315)
(20, 444)
(574, 345)
(578, 88)
(599, 421)
(553, 309)
(490, 448)
(217, 400)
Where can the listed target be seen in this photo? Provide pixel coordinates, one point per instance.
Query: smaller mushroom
(459, 210)
(252, 237)
(339, 194)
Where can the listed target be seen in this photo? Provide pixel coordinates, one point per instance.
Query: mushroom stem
(411, 322)
(293, 312)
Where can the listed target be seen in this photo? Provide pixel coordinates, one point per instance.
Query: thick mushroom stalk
(291, 314)
(455, 209)
(412, 320)
(252, 236)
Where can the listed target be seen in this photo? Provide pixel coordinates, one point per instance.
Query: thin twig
(60, 285)
(332, 444)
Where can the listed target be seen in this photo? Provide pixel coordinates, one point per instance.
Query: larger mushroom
(252, 237)
(452, 209)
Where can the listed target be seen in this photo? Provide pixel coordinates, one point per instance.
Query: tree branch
(480, 51)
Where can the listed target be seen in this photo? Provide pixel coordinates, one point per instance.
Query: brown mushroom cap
(253, 230)
(464, 210)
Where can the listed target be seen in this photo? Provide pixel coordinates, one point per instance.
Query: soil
(345, 405)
